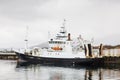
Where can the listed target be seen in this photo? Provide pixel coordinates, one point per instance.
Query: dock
(110, 54)
(8, 56)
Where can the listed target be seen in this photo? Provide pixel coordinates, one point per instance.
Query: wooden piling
(90, 50)
(101, 50)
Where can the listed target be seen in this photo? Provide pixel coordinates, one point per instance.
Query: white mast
(64, 26)
(63, 30)
(64, 23)
(26, 38)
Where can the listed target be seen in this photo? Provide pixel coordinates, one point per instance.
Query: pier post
(101, 50)
(86, 51)
(90, 50)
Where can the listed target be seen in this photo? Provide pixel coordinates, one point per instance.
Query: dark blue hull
(46, 60)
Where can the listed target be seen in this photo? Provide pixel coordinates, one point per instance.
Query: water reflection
(53, 72)
(25, 71)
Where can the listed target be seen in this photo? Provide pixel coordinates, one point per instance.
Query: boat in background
(62, 50)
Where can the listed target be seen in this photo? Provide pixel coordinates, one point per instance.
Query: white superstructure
(62, 46)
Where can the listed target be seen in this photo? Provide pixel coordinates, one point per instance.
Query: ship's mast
(63, 30)
(64, 23)
(26, 38)
(62, 33)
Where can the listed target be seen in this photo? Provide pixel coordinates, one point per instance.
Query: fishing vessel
(62, 50)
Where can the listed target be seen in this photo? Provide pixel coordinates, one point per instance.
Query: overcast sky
(98, 19)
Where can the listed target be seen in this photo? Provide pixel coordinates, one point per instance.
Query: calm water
(10, 70)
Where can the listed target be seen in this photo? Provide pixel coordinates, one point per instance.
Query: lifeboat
(57, 48)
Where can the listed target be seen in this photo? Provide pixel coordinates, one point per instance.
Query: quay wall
(8, 56)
